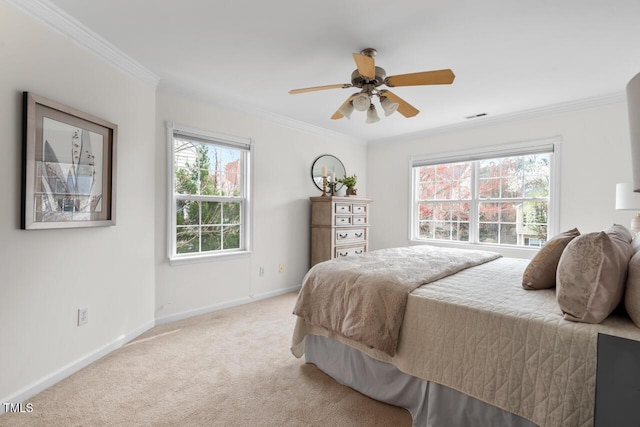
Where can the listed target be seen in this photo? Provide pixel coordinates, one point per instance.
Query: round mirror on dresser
(334, 170)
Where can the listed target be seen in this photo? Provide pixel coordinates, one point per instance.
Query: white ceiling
(508, 56)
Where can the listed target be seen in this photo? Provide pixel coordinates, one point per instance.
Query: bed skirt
(430, 404)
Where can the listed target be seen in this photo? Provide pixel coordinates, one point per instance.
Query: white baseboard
(73, 367)
(221, 306)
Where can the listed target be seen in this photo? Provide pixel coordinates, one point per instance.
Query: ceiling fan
(368, 77)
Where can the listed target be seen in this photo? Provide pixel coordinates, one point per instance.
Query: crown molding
(565, 107)
(63, 23)
(229, 102)
(299, 125)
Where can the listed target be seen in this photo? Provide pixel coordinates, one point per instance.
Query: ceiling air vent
(475, 116)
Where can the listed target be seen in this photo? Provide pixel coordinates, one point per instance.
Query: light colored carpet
(228, 368)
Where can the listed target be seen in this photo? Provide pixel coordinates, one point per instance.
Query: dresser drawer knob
(343, 253)
(359, 252)
(359, 234)
(342, 236)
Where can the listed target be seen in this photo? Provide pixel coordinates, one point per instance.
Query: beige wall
(46, 275)
(282, 186)
(595, 156)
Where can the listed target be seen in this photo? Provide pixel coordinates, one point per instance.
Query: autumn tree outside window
(210, 194)
(501, 196)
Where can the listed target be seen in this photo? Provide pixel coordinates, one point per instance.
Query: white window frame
(552, 145)
(246, 227)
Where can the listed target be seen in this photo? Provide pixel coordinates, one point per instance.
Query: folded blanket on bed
(364, 297)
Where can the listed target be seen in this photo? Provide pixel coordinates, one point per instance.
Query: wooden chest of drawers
(339, 227)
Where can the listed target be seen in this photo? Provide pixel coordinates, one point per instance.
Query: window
(210, 194)
(498, 196)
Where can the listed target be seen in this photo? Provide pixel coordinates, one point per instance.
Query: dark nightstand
(617, 382)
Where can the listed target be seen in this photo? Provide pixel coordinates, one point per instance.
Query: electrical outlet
(281, 268)
(83, 316)
(261, 272)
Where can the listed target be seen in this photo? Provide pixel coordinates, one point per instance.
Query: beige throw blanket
(363, 298)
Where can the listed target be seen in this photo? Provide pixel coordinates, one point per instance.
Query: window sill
(507, 251)
(226, 256)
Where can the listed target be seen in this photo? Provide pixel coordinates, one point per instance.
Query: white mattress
(480, 333)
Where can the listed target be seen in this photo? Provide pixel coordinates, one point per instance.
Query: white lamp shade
(361, 102)
(372, 115)
(346, 110)
(388, 105)
(626, 199)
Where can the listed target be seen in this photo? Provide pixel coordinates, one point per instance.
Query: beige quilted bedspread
(364, 297)
(479, 332)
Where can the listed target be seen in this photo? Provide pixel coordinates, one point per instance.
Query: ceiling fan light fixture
(367, 78)
(361, 102)
(346, 109)
(372, 115)
(388, 105)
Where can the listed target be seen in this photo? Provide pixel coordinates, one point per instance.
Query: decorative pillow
(541, 271)
(591, 274)
(632, 293)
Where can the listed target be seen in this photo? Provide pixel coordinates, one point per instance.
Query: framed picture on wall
(69, 167)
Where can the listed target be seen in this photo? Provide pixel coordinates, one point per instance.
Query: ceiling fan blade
(438, 77)
(315, 88)
(338, 115)
(366, 65)
(404, 107)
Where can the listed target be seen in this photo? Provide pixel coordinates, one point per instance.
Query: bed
(473, 344)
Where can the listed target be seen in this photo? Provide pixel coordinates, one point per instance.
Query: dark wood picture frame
(69, 167)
